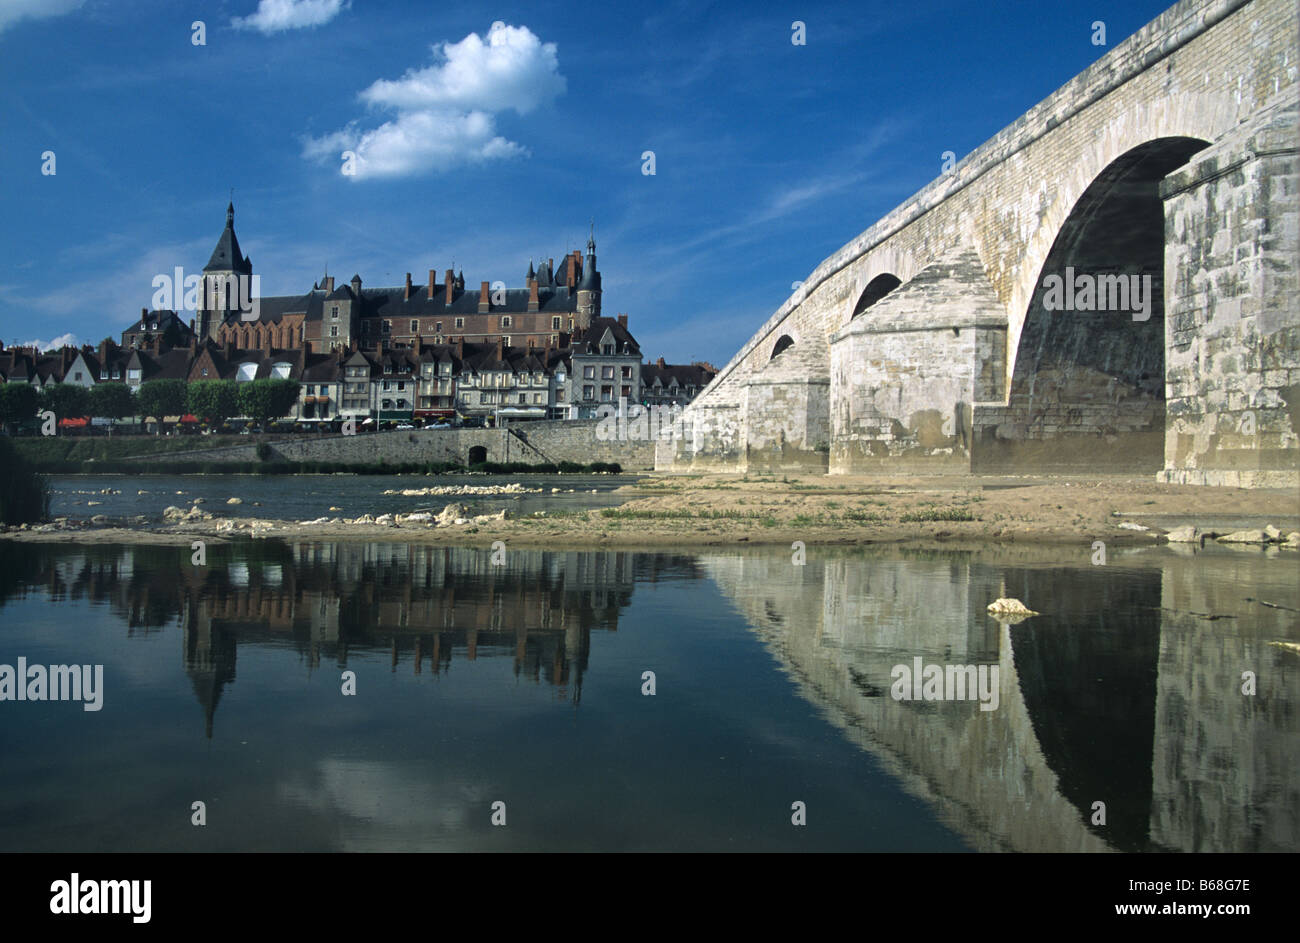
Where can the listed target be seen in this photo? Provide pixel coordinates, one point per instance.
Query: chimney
(661, 363)
(433, 280)
(450, 282)
(103, 354)
(460, 348)
(532, 294)
(407, 296)
(484, 305)
(570, 270)
(228, 348)
(501, 352)
(328, 283)
(622, 320)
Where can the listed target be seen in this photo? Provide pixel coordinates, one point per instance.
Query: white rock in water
(462, 520)
(1188, 534)
(1272, 533)
(234, 500)
(1243, 537)
(333, 508)
(198, 501)
(1129, 525)
(1013, 607)
(418, 517)
(91, 504)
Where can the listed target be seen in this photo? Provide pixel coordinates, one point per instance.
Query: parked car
(405, 425)
(441, 425)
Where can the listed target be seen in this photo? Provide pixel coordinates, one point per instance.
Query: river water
(307, 497)
(526, 683)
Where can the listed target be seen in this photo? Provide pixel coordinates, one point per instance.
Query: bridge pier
(1233, 310)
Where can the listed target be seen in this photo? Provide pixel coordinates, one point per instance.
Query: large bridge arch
(1202, 115)
(1087, 384)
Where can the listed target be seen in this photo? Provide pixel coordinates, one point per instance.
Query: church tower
(221, 281)
(589, 287)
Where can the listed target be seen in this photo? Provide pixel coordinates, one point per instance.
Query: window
(247, 371)
(523, 399)
(365, 327)
(280, 371)
(386, 404)
(204, 373)
(388, 367)
(589, 373)
(437, 327)
(309, 390)
(388, 327)
(103, 373)
(505, 321)
(627, 392)
(388, 385)
(559, 396)
(334, 311)
(588, 392)
(401, 404)
(401, 385)
(555, 324)
(117, 373)
(607, 373)
(76, 375)
(606, 349)
(627, 373)
(334, 332)
(606, 394)
(133, 375)
(505, 341)
(537, 397)
(415, 327)
(460, 322)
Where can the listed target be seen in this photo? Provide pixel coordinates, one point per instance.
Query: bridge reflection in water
(1125, 691)
(1118, 694)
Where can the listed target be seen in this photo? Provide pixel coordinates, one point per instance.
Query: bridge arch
(876, 289)
(1090, 353)
(1203, 115)
(783, 343)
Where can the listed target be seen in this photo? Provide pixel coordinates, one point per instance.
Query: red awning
(188, 418)
(73, 422)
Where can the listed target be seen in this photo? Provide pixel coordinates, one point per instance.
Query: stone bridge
(1110, 283)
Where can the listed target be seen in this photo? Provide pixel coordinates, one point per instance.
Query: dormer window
(388, 368)
(103, 373)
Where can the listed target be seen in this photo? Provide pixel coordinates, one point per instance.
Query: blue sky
(484, 145)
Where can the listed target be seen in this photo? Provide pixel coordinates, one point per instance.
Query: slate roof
(226, 257)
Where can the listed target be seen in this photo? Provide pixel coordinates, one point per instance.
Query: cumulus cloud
(511, 68)
(57, 343)
(446, 111)
(273, 16)
(11, 11)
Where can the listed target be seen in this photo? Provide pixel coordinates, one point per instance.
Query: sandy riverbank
(689, 511)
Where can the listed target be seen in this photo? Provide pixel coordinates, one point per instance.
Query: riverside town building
(429, 351)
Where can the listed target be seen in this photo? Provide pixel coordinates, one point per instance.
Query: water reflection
(1126, 691)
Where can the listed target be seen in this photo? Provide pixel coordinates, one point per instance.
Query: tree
(112, 400)
(213, 400)
(18, 403)
(159, 398)
(266, 399)
(66, 400)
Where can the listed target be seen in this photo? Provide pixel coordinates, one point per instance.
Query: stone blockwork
(1075, 392)
(578, 441)
(1233, 327)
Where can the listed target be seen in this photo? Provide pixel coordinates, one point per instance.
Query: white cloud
(446, 112)
(273, 16)
(11, 11)
(511, 69)
(417, 142)
(57, 343)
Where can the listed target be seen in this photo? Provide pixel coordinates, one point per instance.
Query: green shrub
(24, 494)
